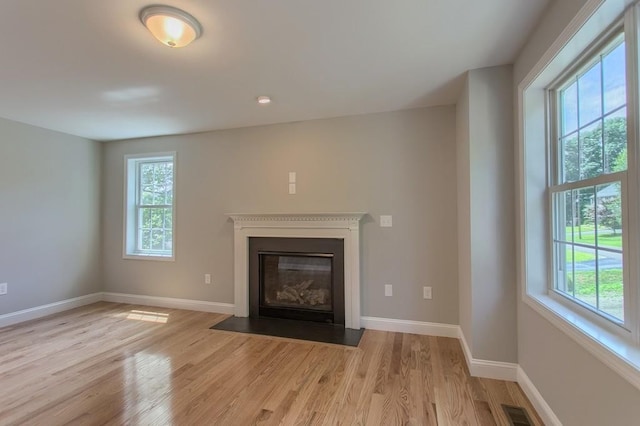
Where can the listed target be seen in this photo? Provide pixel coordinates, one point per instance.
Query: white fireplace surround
(345, 226)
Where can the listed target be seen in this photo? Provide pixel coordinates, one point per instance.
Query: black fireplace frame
(291, 246)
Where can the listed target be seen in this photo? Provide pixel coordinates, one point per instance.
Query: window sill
(140, 256)
(614, 351)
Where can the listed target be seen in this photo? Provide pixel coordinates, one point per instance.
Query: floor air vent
(517, 416)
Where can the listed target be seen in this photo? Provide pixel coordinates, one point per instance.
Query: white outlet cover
(292, 177)
(386, 221)
(388, 290)
(3, 288)
(292, 188)
(427, 293)
(207, 278)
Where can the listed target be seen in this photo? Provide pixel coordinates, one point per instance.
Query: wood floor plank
(117, 364)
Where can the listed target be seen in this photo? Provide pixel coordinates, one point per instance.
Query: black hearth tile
(292, 329)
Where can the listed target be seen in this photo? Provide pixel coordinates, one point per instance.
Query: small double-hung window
(150, 206)
(588, 182)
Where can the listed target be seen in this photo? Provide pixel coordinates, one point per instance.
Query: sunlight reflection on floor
(148, 316)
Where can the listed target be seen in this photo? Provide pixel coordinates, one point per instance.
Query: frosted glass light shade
(172, 27)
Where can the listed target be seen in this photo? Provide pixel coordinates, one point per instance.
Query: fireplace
(297, 278)
(340, 226)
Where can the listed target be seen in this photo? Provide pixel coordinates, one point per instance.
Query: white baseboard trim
(488, 369)
(49, 309)
(407, 326)
(544, 410)
(170, 302)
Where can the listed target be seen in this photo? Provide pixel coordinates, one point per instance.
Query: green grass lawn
(606, 237)
(610, 290)
(579, 256)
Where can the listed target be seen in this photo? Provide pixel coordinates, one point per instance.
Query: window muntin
(150, 207)
(590, 182)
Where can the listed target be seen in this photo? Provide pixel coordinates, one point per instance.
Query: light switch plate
(292, 177)
(3, 288)
(388, 290)
(426, 292)
(386, 221)
(207, 278)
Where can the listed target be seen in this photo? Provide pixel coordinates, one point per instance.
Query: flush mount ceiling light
(172, 27)
(263, 100)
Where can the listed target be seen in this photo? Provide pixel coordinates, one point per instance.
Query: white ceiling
(89, 67)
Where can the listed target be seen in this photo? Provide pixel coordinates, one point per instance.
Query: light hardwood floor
(118, 364)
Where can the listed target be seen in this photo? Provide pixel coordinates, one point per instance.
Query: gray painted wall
(49, 216)
(399, 163)
(463, 168)
(486, 215)
(580, 389)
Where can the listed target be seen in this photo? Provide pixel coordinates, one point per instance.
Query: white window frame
(132, 207)
(617, 347)
(586, 60)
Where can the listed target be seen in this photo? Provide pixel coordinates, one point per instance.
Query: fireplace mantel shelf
(320, 220)
(345, 226)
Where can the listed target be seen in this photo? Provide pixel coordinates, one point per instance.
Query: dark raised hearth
(303, 330)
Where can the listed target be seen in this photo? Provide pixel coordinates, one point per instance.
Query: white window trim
(587, 59)
(129, 234)
(619, 353)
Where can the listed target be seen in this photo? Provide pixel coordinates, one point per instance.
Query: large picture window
(589, 151)
(579, 185)
(149, 216)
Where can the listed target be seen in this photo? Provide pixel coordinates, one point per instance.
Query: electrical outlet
(386, 221)
(4, 287)
(388, 290)
(207, 278)
(426, 292)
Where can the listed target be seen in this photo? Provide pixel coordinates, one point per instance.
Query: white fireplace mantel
(345, 226)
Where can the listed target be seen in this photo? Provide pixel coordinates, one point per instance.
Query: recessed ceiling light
(263, 100)
(172, 27)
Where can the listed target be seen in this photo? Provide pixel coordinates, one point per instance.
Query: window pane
(146, 174)
(615, 141)
(584, 224)
(168, 218)
(569, 109)
(146, 240)
(157, 240)
(146, 197)
(614, 74)
(565, 265)
(591, 151)
(157, 219)
(168, 240)
(158, 196)
(563, 208)
(610, 284)
(145, 222)
(168, 183)
(609, 216)
(585, 280)
(570, 164)
(590, 95)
